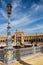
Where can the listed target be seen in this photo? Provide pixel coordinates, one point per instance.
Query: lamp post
(9, 50)
(9, 7)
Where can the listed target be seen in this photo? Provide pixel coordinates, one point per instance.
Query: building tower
(9, 50)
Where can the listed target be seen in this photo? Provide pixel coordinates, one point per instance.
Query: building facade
(20, 37)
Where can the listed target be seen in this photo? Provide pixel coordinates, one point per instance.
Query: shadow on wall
(18, 58)
(41, 49)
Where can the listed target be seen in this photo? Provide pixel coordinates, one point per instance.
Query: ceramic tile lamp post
(9, 50)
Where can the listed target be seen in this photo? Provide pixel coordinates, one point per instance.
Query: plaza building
(20, 37)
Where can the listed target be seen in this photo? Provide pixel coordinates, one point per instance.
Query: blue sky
(27, 16)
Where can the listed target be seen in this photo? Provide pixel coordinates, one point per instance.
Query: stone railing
(21, 52)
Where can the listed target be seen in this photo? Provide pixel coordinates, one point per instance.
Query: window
(12, 36)
(1, 40)
(24, 40)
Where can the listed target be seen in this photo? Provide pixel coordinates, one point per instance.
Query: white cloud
(33, 6)
(15, 4)
(23, 19)
(34, 9)
(37, 27)
(3, 27)
(37, 7)
(3, 14)
(3, 3)
(15, 8)
(26, 20)
(21, 22)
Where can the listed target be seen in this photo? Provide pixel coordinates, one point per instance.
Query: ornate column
(9, 50)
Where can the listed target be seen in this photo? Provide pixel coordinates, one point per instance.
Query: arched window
(1, 40)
